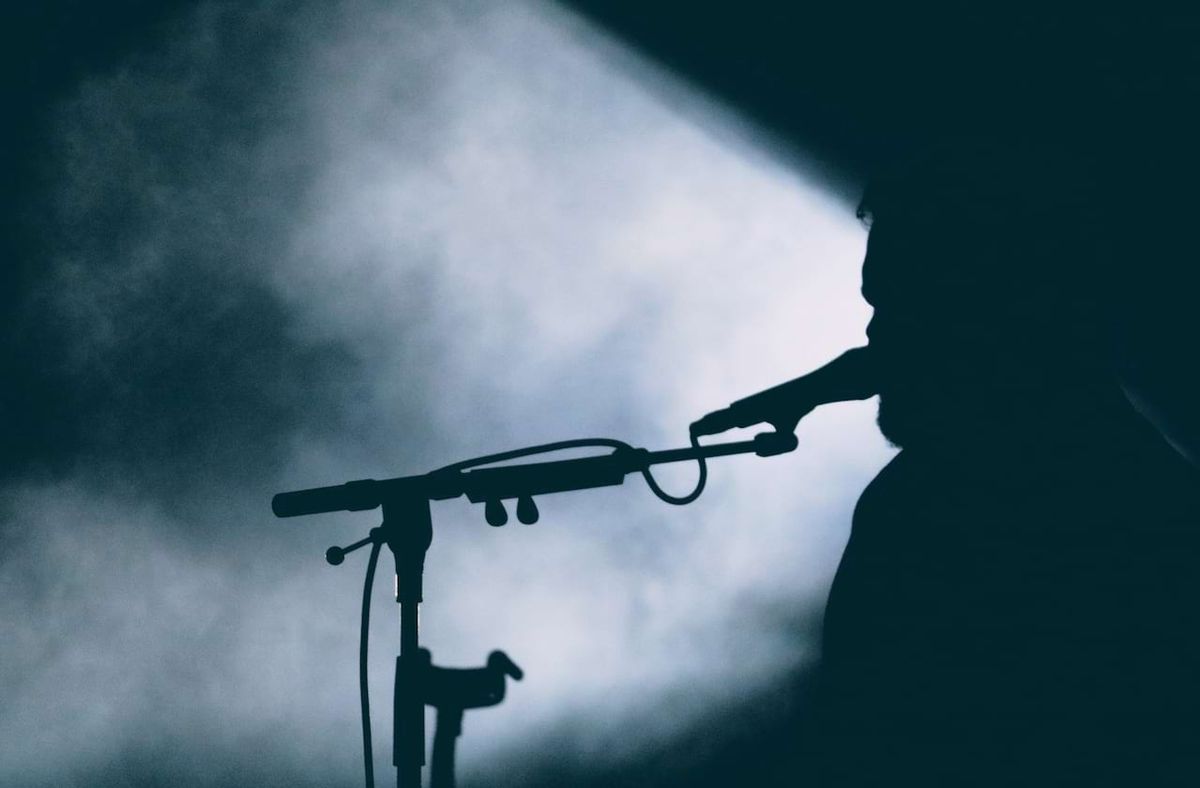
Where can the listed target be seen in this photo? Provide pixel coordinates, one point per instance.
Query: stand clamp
(452, 691)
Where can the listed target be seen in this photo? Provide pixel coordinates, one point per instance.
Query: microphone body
(850, 376)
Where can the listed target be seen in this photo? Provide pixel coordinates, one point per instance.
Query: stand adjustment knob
(494, 513)
(527, 511)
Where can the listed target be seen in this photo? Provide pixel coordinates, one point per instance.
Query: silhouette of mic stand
(407, 530)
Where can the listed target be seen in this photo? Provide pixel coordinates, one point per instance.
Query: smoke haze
(287, 247)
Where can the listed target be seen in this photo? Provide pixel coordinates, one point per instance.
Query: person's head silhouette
(1016, 588)
(984, 266)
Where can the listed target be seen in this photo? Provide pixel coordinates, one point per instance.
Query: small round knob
(494, 513)
(335, 555)
(527, 511)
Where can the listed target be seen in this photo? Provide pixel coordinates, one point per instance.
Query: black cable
(579, 443)
(363, 694)
(545, 448)
(686, 499)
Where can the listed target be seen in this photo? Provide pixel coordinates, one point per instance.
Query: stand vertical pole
(408, 529)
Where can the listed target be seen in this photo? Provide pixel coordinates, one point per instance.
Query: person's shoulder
(903, 476)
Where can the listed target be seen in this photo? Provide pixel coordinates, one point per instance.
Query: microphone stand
(407, 530)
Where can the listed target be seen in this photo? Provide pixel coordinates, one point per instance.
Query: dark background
(859, 84)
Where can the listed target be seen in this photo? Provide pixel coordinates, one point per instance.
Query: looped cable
(580, 443)
(701, 480)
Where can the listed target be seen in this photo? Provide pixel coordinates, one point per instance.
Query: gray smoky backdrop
(289, 245)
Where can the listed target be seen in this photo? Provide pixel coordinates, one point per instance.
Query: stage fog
(291, 246)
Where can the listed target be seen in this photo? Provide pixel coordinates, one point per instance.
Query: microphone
(850, 376)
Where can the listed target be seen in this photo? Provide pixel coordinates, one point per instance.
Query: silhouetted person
(1018, 602)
